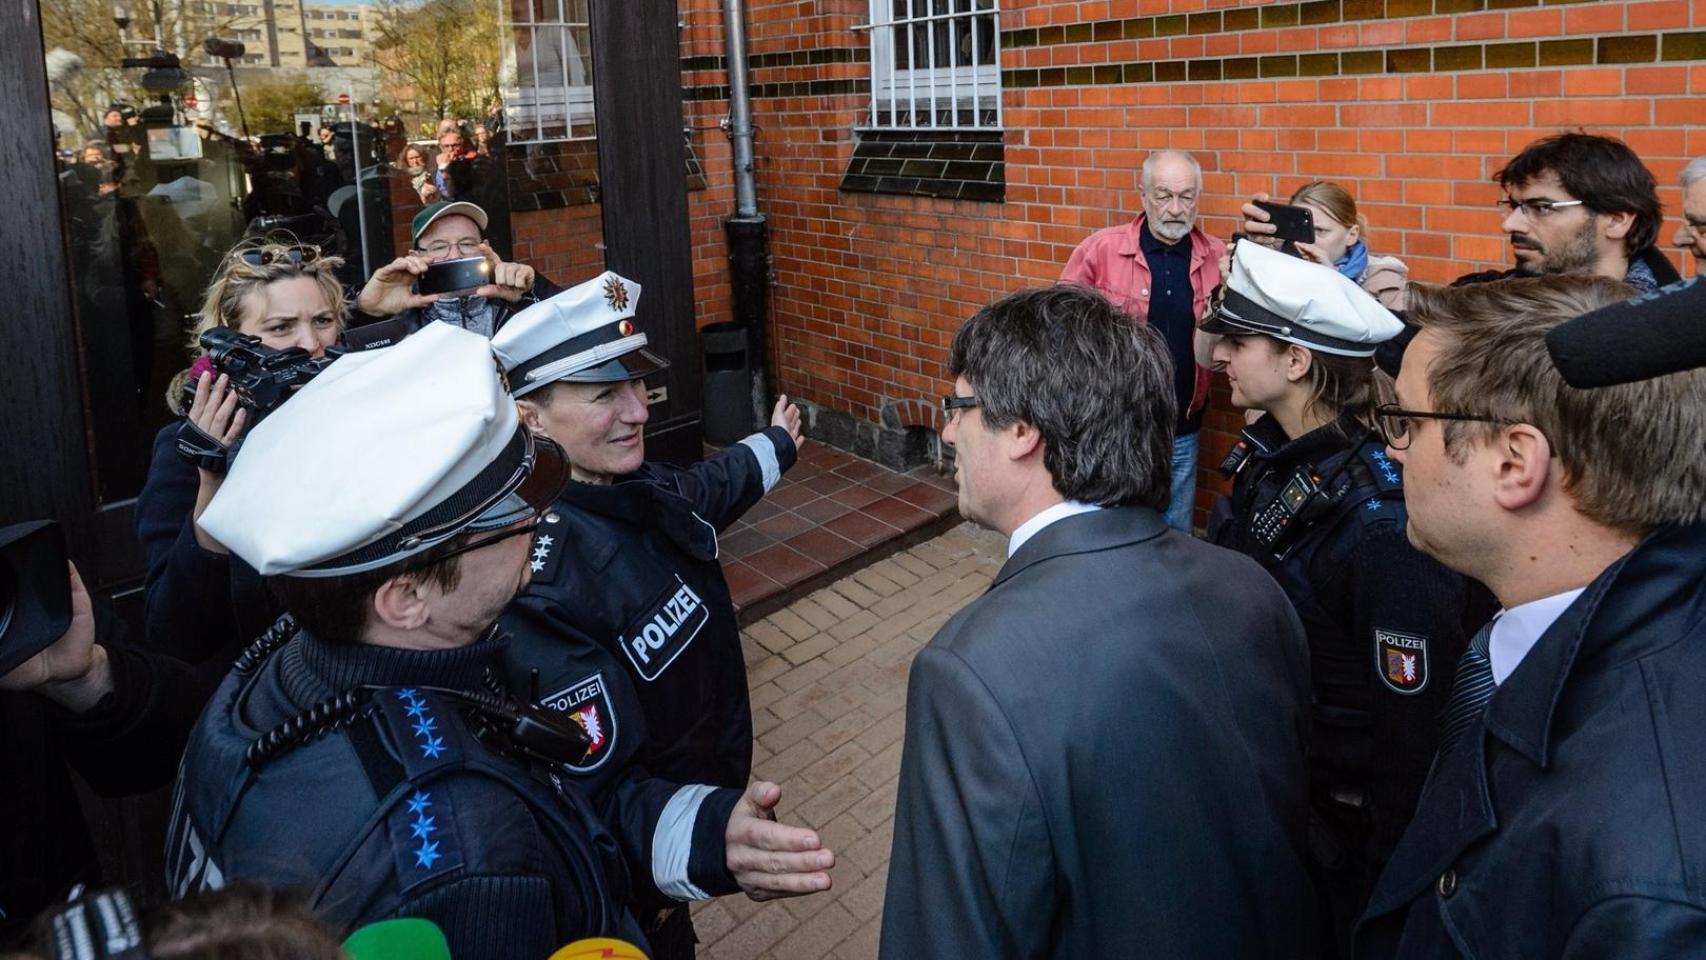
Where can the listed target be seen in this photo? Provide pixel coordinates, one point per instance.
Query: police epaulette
(1387, 476)
(548, 550)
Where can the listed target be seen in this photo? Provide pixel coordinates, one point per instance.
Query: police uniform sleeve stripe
(672, 843)
(764, 449)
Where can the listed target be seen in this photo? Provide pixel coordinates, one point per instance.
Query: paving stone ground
(828, 676)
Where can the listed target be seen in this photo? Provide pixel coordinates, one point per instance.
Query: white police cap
(385, 454)
(585, 334)
(1305, 303)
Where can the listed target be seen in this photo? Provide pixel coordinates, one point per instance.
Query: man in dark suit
(1104, 753)
(1562, 815)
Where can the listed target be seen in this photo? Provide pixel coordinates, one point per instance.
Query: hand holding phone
(1291, 223)
(457, 277)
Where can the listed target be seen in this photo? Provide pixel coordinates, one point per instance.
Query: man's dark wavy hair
(1602, 172)
(1095, 382)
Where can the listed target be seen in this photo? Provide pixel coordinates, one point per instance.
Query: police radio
(1302, 500)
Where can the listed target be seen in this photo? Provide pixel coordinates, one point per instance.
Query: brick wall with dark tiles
(551, 176)
(952, 165)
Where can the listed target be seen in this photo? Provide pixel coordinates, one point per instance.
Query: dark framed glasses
(294, 254)
(952, 404)
(1393, 422)
(1536, 208)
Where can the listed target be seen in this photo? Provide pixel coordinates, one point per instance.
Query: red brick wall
(1413, 112)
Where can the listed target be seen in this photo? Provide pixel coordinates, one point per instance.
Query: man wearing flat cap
(632, 565)
(448, 231)
(360, 750)
(1319, 504)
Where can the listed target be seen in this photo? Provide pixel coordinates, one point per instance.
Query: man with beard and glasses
(1161, 268)
(1583, 204)
(1692, 235)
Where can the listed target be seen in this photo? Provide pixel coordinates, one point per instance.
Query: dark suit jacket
(1104, 758)
(1572, 823)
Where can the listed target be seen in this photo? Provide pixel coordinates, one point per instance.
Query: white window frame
(953, 96)
(561, 109)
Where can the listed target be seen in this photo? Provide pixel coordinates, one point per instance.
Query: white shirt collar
(1516, 630)
(1060, 511)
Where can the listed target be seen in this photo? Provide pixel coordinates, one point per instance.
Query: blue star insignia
(425, 727)
(427, 855)
(407, 693)
(419, 802)
(433, 747)
(422, 827)
(1373, 503)
(416, 709)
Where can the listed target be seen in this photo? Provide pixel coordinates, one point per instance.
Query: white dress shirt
(1516, 630)
(1060, 511)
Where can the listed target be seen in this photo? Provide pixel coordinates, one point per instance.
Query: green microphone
(408, 938)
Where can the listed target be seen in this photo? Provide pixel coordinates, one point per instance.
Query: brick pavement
(828, 677)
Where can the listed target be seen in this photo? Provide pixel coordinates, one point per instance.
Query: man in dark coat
(1104, 753)
(1562, 815)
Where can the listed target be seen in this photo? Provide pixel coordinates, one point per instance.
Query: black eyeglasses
(297, 254)
(526, 528)
(1393, 422)
(1537, 208)
(952, 403)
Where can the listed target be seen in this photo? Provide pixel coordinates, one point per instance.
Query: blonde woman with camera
(201, 602)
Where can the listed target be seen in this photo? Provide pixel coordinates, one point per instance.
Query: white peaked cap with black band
(385, 454)
(1284, 297)
(585, 334)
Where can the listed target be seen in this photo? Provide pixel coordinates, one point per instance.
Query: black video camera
(35, 590)
(263, 377)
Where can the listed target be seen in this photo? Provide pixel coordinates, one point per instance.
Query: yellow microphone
(600, 948)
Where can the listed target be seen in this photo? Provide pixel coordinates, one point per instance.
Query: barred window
(547, 70)
(935, 64)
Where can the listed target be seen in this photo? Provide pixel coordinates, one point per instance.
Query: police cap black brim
(629, 366)
(1222, 323)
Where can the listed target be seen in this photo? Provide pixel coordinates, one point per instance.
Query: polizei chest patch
(657, 638)
(1401, 659)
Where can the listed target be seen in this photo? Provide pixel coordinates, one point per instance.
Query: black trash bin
(728, 383)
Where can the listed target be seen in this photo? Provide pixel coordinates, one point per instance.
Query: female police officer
(631, 561)
(1317, 502)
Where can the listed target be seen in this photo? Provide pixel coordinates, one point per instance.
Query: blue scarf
(1355, 262)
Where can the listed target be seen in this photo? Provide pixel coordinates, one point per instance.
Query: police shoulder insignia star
(1401, 660)
(547, 549)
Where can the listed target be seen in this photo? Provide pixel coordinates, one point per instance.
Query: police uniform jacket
(387, 804)
(1567, 821)
(1104, 758)
(198, 605)
(1386, 622)
(633, 566)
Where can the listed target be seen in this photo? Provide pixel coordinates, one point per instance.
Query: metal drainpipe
(747, 231)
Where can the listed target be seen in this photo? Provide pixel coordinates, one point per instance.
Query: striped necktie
(1469, 693)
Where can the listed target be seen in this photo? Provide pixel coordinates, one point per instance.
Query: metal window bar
(546, 109)
(899, 53)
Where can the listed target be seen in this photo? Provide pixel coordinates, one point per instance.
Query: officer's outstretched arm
(725, 485)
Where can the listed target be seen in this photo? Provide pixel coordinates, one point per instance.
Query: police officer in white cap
(632, 564)
(1316, 501)
(358, 750)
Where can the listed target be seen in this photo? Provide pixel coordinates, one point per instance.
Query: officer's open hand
(391, 289)
(72, 671)
(771, 860)
(509, 280)
(787, 416)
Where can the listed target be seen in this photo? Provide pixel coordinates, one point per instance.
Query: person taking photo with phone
(444, 236)
(1340, 239)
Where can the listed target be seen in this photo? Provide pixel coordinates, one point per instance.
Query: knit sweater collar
(313, 669)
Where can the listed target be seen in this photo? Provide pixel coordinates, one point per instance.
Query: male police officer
(359, 752)
(632, 564)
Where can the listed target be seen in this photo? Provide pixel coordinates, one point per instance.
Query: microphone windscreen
(409, 938)
(1649, 336)
(600, 948)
